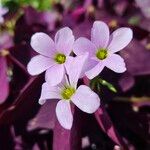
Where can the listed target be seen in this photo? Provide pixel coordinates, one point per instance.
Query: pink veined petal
(39, 64)
(49, 92)
(64, 115)
(43, 44)
(100, 34)
(95, 70)
(83, 45)
(120, 38)
(74, 68)
(55, 74)
(64, 40)
(85, 99)
(115, 63)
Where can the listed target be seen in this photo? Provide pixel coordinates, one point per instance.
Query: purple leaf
(136, 58)
(76, 14)
(62, 139)
(68, 139)
(126, 81)
(137, 122)
(5, 41)
(25, 104)
(83, 29)
(107, 126)
(144, 6)
(45, 118)
(120, 7)
(45, 18)
(6, 138)
(36, 147)
(4, 83)
(145, 24)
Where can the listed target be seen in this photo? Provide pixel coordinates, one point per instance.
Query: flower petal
(115, 63)
(55, 74)
(39, 64)
(43, 44)
(120, 38)
(89, 64)
(95, 70)
(83, 45)
(49, 92)
(74, 67)
(64, 40)
(85, 99)
(100, 34)
(64, 115)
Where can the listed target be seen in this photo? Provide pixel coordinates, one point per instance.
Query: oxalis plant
(72, 76)
(67, 60)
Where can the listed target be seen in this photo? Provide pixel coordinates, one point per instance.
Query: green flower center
(101, 53)
(67, 92)
(60, 58)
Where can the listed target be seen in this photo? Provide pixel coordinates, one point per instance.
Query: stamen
(60, 58)
(101, 53)
(67, 92)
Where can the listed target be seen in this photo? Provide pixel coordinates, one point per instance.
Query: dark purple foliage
(123, 118)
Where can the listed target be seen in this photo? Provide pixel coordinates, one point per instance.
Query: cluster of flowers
(63, 70)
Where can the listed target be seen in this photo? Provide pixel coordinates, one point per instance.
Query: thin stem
(20, 65)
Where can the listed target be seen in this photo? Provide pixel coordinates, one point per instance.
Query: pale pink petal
(64, 40)
(115, 63)
(64, 115)
(120, 38)
(89, 64)
(55, 74)
(39, 64)
(43, 44)
(100, 34)
(95, 70)
(74, 68)
(68, 63)
(49, 92)
(83, 45)
(85, 99)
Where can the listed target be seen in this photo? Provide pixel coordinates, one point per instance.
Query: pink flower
(3, 11)
(102, 47)
(53, 54)
(83, 97)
